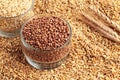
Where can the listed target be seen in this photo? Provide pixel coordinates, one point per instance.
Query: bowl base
(44, 66)
(12, 34)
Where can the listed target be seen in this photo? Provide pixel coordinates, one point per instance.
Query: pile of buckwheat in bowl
(45, 41)
(13, 13)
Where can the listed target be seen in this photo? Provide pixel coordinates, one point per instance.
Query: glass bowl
(45, 59)
(10, 26)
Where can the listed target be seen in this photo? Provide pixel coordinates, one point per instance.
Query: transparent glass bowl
(38, 58)
(10, 26)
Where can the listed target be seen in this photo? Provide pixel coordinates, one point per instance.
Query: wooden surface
(92, 56)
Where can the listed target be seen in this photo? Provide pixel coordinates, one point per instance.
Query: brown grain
(46, 33)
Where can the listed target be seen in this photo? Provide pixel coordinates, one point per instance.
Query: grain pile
(11, 8)
(92, 57)
(48, 33)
